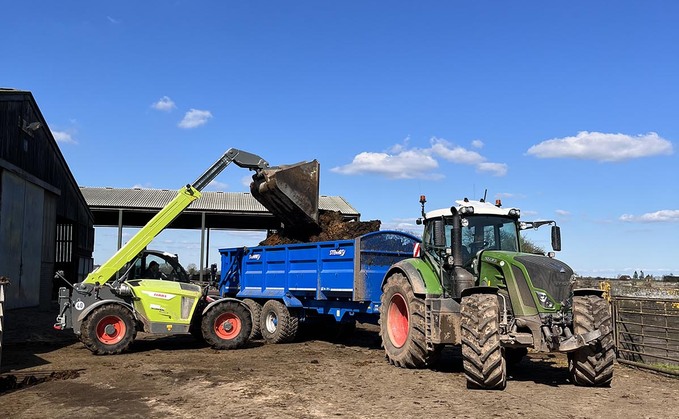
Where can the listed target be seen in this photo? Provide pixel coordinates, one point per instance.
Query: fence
(647, 332)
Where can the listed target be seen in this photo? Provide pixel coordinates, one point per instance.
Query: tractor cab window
(484, 232)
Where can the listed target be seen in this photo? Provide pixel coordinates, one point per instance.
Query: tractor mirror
(439, 233)
(556, 238)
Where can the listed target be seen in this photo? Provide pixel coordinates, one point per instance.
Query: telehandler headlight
(544, 299)
(467, 210)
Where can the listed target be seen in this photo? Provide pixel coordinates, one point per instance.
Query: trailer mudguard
(419, 274)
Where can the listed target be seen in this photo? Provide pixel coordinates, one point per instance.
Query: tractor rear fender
(419, 274)
(209, 306)
(479, 290)
(588, 291)
(89, 309)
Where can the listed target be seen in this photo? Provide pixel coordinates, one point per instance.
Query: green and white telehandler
(118, 299)
(469, 284)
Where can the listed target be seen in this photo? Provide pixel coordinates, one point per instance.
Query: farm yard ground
(311, 378)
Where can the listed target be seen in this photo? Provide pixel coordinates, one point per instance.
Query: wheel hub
(110, 330)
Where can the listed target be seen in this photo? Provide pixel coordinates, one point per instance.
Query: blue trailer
(287, 284)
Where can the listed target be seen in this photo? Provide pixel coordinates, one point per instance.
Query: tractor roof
(480, 208)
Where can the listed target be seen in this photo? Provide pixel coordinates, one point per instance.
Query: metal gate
(647, 332)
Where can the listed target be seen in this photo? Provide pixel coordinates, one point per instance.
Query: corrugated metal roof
(155, 199)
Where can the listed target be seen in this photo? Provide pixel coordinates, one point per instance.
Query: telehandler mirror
(556, 238)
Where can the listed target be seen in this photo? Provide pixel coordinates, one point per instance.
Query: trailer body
(341, 278)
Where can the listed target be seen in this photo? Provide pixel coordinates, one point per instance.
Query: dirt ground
(311, 378)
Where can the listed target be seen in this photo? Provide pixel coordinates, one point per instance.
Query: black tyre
(195, 328)
(227, 325)
(108, 330)
(277, 324)
(592, 365)
(402, 326)
(256, 311)
(482, 357)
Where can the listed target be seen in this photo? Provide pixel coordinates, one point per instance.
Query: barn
(45, 223)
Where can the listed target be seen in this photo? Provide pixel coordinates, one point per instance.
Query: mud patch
(13, 382)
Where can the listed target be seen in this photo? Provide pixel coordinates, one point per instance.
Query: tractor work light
(515, 212)
(467, 210)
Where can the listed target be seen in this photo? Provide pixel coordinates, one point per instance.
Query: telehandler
(118, 299)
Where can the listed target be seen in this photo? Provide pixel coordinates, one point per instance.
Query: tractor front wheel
(227, 325)
(277, 324)
(592, 365)
(484, 363)
(108, 330)
(402, 326)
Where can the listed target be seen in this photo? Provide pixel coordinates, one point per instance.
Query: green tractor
(469, 284)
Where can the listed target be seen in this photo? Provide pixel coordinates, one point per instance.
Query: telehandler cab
(118, 298)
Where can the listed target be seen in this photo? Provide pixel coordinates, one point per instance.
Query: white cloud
(662, 216)
(401, 162)
(64, 137)
(217, 186)
(407, 164)
(164, 104)
(496, 169)
(113, 20)
(563, 213)
(195, 118)
(477, 144)
(603, 147)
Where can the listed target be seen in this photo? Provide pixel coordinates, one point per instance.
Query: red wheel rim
(397, 320)
(111, 330)
(227, 326)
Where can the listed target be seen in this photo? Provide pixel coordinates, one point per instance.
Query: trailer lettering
(338, 252)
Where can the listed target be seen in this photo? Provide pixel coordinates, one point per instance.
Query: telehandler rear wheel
(227, 325)
(256, 310)
(278, 325)
(108, 330)
(484, 365)
(592, 365)
(402, 326)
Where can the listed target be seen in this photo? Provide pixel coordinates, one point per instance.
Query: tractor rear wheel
(484, 363)
(227, 325)
(277, 324)
(402, 326)
(256, 310)
(108, 330)
(592, 365)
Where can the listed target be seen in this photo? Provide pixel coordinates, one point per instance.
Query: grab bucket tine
(290, 193)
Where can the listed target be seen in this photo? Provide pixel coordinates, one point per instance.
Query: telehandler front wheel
(227, 325)
(108, 330)
(592, 365)
(402, 326)
(484, 365)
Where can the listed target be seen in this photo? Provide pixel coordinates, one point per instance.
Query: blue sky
(566, 110)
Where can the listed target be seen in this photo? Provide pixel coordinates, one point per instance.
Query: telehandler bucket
(291, 193)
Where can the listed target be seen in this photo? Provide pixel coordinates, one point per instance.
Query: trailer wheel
(484, 364)
(256, 310)
(108, 330)
(277, 324)
(402, 326)
(592, 365)
(227, 325)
